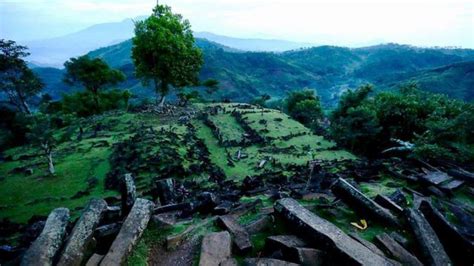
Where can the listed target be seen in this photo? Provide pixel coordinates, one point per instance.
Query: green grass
(228, 126)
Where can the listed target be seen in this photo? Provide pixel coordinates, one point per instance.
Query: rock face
(430, 246)
(354, 198)
(240, 237)
(396, 251)
(131, 231)
(44, 248)
(215, 249)
(344, 250)
(82, 233)
(129, 194)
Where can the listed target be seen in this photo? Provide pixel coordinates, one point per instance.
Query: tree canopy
(305, 107)
(17, 81)
(93, 74)
(164, 51)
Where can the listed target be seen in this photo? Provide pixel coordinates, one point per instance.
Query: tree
(164, 52)
(93, 74)
(305, 107)
(261, 100)
(41, 134)
(17, 81)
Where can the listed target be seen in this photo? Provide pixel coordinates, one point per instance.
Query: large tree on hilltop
(93, 74)
(164, 52)
(17, 81)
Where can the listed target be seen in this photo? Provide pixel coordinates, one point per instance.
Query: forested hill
(328, 69)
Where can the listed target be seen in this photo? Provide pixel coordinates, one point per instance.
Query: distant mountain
(253, 45)
(455, 80)
(330, 70)
(54, 52)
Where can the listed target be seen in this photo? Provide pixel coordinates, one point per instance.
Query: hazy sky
(343, 22)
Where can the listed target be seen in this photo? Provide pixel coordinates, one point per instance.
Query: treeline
(420, 124)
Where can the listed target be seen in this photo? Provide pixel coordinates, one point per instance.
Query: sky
(340, 22)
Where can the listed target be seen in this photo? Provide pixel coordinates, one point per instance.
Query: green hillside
(328, 69)
(149, 145)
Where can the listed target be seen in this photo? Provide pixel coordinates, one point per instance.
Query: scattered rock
(45, 247)
(388, 204)
(363, 204)
(307, 256)
(435, 177)
(429, 244)
(229, 262)
(164, 220)
(259, 225)
(267, 262)
(458, 247)
(165, 189)
(82, 234)
(95, 260)
(462, 174)
(367, 244)
(215, 248)
(173, 207)
(129, 194)
(396, 251)
(129, 234)
(240, 237)
(326, 235)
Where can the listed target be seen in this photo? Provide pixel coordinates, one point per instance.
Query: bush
(441, 128)
(83, 104)
(304, 106)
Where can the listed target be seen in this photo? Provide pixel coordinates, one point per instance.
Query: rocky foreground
(290, 208)
(107, 234)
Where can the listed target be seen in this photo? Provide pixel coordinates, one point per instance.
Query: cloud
(419, 22)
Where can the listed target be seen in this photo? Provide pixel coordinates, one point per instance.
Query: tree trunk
(50, 163)
(162, 101)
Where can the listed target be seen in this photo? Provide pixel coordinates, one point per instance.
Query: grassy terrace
(286, 144)
(159, 143)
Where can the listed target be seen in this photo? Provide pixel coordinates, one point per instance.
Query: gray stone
(165, 189)
(82, 234)
(48, 243)
(326, 235)
(357, 200)
(267, 262)
(129, 194)
(107, 230)
(259, 225)
(452, 185)
(240, 237)
(308, 256)
(284, 243)
(435, 177)
(396, 251)
(215, 248)
(462, 174)
(367, 244)
(95, 260)
(164, 220)
(458, 247)
(229, 262)
(388, 204)
(129, 234)
(429, 244)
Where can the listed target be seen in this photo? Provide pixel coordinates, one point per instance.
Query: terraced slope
(154, 146)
